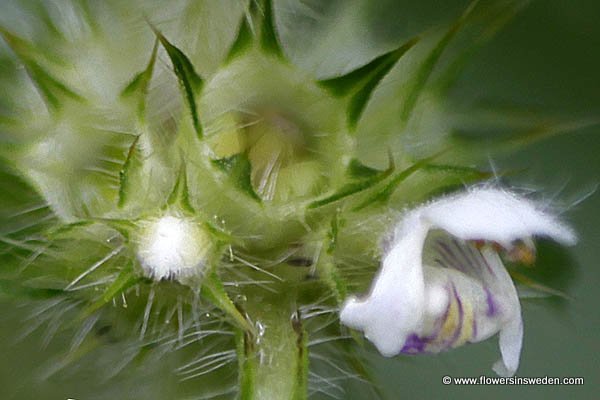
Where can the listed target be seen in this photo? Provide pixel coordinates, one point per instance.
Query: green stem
(274, 363)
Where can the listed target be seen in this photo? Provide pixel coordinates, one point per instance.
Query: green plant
(176, 183)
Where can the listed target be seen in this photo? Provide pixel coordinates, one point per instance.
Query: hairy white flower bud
(173, 247)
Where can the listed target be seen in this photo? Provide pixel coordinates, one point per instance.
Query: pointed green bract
(140, 83)
(356, 169)
(368, 178)
(190, 81)
(38, 8)
(126, 279)
(384, 194)
(239, 170)
(268, 34)
(551, 274)
(350, 189)
(362, 369)
(213, 290)
(124, 173)
(537, 286)
(510, 138)
(179, 196)
(360, 84)
(52, 89)
(243, 40)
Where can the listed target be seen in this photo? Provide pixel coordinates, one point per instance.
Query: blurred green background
(547, 58)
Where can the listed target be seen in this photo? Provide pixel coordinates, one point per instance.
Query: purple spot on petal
(414, 345)
(492, 306)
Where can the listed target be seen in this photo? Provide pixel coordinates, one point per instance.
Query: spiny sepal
(383, 195)
(239, 171)
(361, 178)
(269, 39)
(360, 84)
(139, 84)
(124, 174)
(244, 39)
(214, 291)
(191, 83)
(127, 277)
(180, 195)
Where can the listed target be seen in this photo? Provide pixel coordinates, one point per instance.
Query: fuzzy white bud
(172, 247)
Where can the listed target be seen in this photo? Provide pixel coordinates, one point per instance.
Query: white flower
(442, 282)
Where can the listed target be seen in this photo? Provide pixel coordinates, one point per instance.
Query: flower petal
(486, 213)
(511, 340)
(396, 304)
(511, 333)
(461, 292)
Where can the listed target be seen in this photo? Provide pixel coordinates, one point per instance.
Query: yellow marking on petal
(450, 323)
(447, 336)
(466, 332)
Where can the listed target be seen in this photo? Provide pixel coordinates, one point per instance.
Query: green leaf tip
(511, 138)
(124, 174)
(239, 169)
(361, 83)
(368, 178)
(123, 226)
(537, 286)
(269, 40)
(141, 81)
(126, 279)
(243, 40)
(214, 291)
(361, 367)
(179, 196)
(40, 9)
(332, 234)
(189, 80)
(386, 192)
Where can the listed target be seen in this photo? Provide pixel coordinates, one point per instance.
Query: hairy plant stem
(274, 362)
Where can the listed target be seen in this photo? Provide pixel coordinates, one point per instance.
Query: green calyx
(289, 129)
